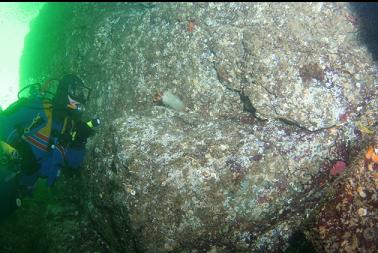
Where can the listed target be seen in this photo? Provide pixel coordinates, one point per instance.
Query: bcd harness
(43, 139)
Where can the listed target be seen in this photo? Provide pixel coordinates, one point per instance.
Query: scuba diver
(39, 135)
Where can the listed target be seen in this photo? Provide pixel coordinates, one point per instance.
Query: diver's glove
(83, 131)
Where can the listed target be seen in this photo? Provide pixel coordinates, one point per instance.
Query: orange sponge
(371, 155)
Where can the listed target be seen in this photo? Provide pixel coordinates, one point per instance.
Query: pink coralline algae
(338, 168)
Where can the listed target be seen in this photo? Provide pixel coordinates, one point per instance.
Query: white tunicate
(171, 100)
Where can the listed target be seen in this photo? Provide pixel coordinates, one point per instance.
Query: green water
(14, 25)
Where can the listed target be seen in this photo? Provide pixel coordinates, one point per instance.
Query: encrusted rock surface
(275, 95)
(348, 220)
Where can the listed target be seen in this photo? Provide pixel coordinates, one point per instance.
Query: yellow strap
(33, 124)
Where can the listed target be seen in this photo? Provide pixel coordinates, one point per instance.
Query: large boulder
(275, 94)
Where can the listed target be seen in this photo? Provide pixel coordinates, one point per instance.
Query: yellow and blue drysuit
(35, 144)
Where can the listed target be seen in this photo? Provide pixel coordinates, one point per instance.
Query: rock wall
(274, 93)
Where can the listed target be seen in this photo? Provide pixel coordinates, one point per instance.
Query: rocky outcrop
(274, 95)
(347, 222)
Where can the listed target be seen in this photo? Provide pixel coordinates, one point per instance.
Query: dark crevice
(296, 124)
(248, 106)
(291, 123)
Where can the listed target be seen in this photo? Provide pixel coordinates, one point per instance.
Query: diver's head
(71, 93)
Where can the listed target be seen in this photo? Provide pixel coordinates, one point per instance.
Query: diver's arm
(76, 149)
